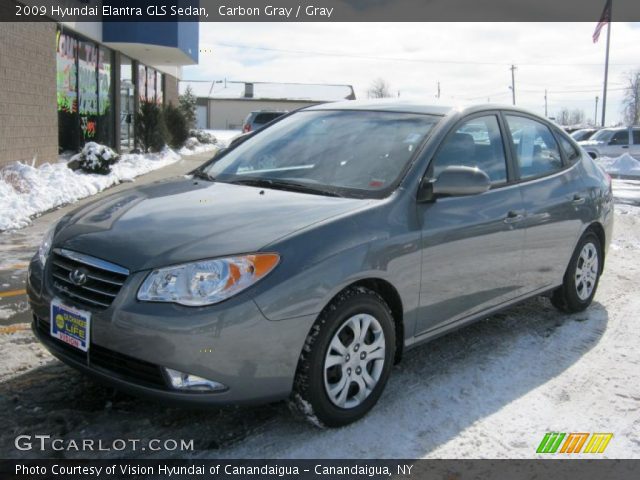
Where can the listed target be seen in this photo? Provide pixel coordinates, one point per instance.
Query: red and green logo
(573, 442)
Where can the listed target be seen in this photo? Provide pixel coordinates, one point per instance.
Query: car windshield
(603, 135)
(329, 152)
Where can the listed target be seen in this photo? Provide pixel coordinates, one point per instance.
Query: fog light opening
(187, 381)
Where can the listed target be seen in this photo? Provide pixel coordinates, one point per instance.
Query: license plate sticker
(70, 325)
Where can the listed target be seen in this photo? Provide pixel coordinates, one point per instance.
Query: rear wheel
(582, 276)
(346, 360)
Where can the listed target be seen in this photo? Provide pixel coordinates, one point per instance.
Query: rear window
(262, 118)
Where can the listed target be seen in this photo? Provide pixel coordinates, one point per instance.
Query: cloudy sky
(470, 60)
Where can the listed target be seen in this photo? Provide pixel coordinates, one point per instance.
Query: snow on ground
(26, 191)
(193, 148)
(224, 136)
(490, 390)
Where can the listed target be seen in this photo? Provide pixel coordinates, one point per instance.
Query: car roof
(413, 106)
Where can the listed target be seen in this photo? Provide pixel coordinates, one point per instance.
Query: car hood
(187, 219)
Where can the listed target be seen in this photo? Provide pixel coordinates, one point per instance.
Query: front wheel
(582, 276)
(346, 360)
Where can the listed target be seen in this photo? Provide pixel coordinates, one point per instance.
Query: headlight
(45, 245)
(208, 281)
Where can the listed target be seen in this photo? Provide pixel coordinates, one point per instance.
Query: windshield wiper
(197, 173)
(283, 185)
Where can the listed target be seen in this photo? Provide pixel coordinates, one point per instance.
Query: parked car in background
(583, 134)
(305, 260)
(613, 142)
(258, 119)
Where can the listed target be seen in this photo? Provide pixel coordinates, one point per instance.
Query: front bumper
(131, 341)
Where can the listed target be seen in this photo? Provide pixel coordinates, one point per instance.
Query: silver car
(305, 260)
(613, 142)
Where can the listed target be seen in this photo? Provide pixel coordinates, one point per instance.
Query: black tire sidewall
(328, 413)
(572, 300)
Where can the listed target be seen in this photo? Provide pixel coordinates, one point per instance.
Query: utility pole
(545, 104)
(595, 116)
(513, 83)
(606, 65)
(438, 95)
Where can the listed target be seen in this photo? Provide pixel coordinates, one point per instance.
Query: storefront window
(105, 97)
(66, 86)
(142, 82)
(127, 104)
(159, 89)
(88, 89)
(151, 85)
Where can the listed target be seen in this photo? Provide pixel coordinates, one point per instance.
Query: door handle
(578, 200)
(513, 217)
(625, 146)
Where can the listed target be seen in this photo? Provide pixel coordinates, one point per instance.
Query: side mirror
(454, 181)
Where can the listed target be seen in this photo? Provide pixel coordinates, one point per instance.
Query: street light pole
(595, 116)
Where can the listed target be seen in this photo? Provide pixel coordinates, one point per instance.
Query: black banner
(315, 10)
(579, 469)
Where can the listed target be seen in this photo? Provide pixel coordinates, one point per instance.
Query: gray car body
(439, 265)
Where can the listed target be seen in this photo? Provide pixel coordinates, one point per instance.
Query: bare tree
(379, 89)
(631, 101)
(564, 116)
(577, 117)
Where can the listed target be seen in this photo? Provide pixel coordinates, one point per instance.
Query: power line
(402, 59)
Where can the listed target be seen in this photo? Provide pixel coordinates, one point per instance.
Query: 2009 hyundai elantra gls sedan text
(304, 260)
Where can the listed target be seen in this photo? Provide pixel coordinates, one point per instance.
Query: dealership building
(65, 84)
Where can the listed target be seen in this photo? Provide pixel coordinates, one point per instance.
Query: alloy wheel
(354, 361)
(586, 271)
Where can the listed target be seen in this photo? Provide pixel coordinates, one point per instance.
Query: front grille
(114, 363)
(103, 279)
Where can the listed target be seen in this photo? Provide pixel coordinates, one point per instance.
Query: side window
(476, 143)
(569, 150)
(536, 150)
(636, 137)
(620, 138)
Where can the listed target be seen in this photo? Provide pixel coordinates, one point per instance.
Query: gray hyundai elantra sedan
(304, 260)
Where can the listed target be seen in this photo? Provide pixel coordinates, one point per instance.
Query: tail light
(246, 128)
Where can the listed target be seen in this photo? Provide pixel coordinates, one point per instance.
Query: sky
(470, 60)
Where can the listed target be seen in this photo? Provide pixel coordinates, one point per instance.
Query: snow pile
(622, 165)
(94, 158)
(193, 146)
(26, 191)
(224, 136)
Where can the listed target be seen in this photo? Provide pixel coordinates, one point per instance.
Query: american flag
(605, 18)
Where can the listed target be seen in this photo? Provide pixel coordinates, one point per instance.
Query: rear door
(554, 195)
(471, 245)
(617, 145)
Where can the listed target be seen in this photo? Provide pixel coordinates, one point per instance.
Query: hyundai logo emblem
(78, 277)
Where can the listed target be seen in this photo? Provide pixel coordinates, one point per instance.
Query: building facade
(225, 105)
(64, 84)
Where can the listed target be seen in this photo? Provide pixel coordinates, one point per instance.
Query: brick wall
(170, 90)
(28, 115)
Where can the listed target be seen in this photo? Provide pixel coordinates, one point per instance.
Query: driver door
(472, 246)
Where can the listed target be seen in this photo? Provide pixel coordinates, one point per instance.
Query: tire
(578, 289)
(361, 367)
